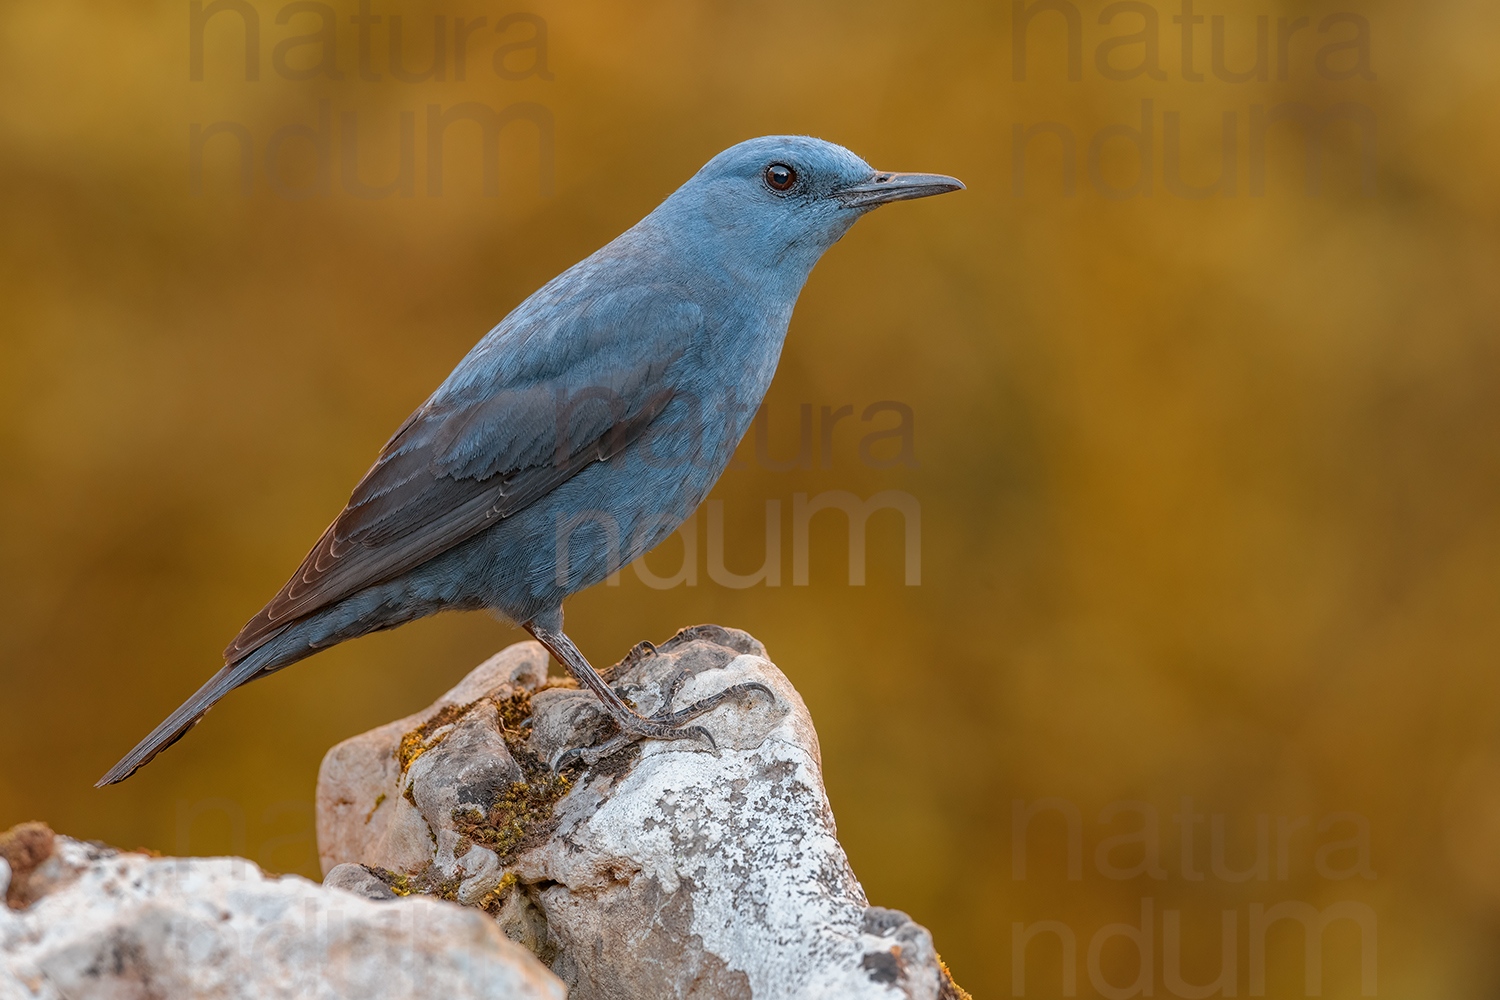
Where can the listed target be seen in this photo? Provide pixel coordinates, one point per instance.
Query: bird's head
(782, 200)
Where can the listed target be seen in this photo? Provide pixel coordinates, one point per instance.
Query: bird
(579, 432)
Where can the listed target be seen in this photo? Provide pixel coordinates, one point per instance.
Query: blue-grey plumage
(581, 430)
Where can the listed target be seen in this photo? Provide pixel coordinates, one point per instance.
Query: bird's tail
(296, 640)
(186, 717)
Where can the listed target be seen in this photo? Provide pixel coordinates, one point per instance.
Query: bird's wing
(530, 407)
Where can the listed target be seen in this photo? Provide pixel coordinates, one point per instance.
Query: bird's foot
(664, 725)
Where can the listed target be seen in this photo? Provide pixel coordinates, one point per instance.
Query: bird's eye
(780, 176)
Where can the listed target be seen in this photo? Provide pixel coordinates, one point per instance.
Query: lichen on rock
(666, 870)
(85, 920)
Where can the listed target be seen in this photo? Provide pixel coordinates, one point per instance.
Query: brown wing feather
(511, 424)
(368, 543)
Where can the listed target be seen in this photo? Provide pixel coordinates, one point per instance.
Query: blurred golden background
(1207, 485)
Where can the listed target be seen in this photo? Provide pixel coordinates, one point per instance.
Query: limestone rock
(82, 920)
(665, 871)
(361, 781)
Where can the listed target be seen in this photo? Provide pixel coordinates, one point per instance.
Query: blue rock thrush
(579, 432)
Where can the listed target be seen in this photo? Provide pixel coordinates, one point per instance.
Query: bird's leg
(624, 716)
(665, 725)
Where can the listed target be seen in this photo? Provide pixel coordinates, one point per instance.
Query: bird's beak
(884, 188)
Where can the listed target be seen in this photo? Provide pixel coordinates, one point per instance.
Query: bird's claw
(587, 757)
(664, 725)
(667, 717)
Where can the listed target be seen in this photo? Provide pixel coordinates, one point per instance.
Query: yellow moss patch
(420, 740)
(947, 988)
(492, 901)
(371, 814)
(521, 815)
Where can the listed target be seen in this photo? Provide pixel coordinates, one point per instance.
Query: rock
(30, 870)
(666, 870)
(360, 782)
(84, 920)
(361, 881)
